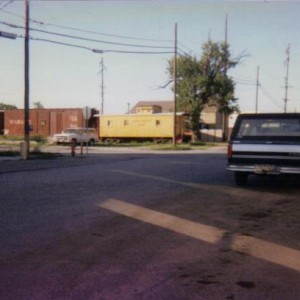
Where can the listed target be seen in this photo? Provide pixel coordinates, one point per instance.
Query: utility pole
(226, 29)
(257, 86)
(102, 86)
(26, 83)
(175, 82)
(287, 63)
(225, 72)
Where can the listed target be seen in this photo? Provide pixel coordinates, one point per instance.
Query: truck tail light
(229, 150)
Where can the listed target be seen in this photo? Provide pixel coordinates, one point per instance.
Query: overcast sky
(69, 75)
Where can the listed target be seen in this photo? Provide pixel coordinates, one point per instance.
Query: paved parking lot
(145, 226)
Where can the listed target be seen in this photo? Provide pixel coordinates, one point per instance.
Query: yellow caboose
(155, 126)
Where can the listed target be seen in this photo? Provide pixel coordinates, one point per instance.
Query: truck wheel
(241, 178)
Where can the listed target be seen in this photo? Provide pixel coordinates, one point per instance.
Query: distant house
(213, 125)
(153, 107)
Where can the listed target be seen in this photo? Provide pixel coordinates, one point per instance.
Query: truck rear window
(284, 127)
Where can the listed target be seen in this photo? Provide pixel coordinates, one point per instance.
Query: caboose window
(157, 122)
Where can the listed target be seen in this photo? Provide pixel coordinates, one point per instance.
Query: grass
(123, 144)
(172, 147)
(163, 146)
(33, 154)
(44, 155)
(9, 153)
(15, 141)
(186, 146)
(11, 146)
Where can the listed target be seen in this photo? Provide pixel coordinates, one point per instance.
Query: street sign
(8, 35)
(86, 112)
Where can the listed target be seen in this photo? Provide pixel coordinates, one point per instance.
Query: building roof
(166, 106)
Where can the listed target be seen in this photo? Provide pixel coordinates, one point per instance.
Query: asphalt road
(146, 226)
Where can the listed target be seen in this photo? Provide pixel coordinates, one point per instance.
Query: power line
(87, 31)
(93, 49)
(11, 13)
(184, 53)
(272, 76)
(181, 50)
(6, 4)
(243, 82)
(137, 52)
(41, 23)
(117, 36)
(63, 44)
(83, 38)
(104, 34)
(270, 97)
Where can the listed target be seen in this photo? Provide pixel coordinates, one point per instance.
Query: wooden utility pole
(26, 83)
(226, 28)
(102, 86)
(257, 86)
(225, 72)
(287, 62)
(175, 83)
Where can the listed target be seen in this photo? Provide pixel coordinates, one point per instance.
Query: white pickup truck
(76, 136)
(264, 144)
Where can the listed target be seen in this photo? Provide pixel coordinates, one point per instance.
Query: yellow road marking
(198, 231)
(267, 251)
(258, 248)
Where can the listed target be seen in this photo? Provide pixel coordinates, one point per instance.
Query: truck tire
(241, 178)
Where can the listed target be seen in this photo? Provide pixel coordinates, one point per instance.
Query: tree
(4, 106)
(218, 86)
(204, 81)
(38, 104)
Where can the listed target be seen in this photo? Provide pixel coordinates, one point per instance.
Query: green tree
(38, 104)
(204, 81)
(4, 106)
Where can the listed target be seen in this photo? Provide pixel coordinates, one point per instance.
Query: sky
(65, 72)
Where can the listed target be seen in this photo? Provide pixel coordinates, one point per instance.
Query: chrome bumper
(253, 169)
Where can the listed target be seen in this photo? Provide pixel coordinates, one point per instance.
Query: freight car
(143, 127)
